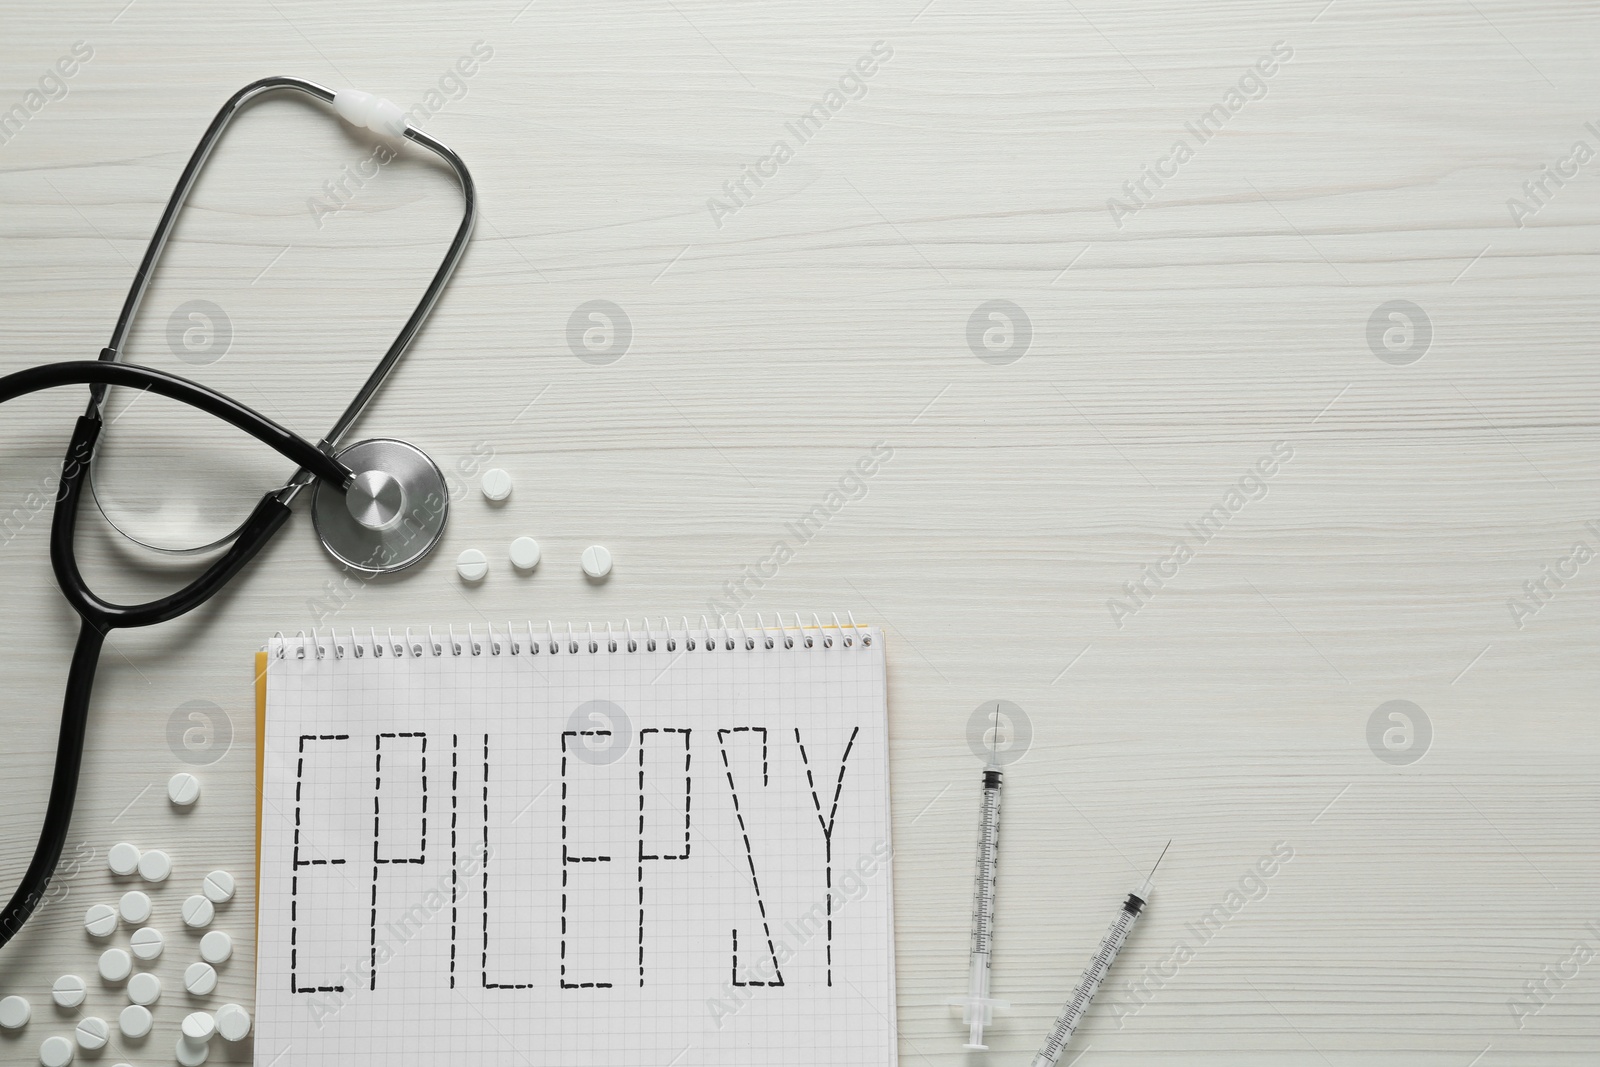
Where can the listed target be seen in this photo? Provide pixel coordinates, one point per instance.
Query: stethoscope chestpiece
(391, 515)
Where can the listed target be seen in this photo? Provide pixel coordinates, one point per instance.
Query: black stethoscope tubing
(314, 462)
(100, 616)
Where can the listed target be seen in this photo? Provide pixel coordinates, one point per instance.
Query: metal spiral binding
(723, 636)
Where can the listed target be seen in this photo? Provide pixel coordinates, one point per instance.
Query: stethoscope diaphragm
(392, 515)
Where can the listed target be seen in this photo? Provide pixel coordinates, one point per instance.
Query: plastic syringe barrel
(977, 1007)
(983, 888)
(1099, 966)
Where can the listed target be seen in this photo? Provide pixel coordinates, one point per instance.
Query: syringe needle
(1159, 858)
(994, 738)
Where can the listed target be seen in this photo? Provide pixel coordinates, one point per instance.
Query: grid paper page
(649, 857)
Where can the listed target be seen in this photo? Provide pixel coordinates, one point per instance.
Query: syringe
(977, 1007)
(1072, 1014)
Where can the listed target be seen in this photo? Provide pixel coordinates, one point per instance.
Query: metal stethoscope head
(394, 512)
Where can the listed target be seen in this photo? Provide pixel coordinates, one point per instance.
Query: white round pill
(183, 789)
(135, 1020)
(200, 979)
(155, 866)
(233, 1022)
(216, 947)
(146, 943)
(496, 484)
(525, 553)
(135, 907)
(596, 561)
(192, 1053)
(55, 1052)
(472, 565)
(100, 920)
(198, 911)
(115, 965)
(219, 887)
(199, 1026)
(92, 1032)
(68, 991)
(123, 858)
(144, 988)
(15, 1013)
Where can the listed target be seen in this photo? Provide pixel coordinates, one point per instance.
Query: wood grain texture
(1168, 355)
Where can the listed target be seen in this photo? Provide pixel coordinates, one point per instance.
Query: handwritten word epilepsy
(399, 785)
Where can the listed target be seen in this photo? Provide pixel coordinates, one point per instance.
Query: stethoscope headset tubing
(315, 462)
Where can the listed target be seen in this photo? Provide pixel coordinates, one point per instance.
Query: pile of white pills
(116, 965)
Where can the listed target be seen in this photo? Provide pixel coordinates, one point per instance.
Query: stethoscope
(378, 505)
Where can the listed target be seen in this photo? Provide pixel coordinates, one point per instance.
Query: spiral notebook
(521, 848)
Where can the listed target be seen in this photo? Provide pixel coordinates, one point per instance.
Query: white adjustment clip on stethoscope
(379, 505)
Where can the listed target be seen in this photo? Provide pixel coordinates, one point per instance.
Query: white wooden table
(1441, 861)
